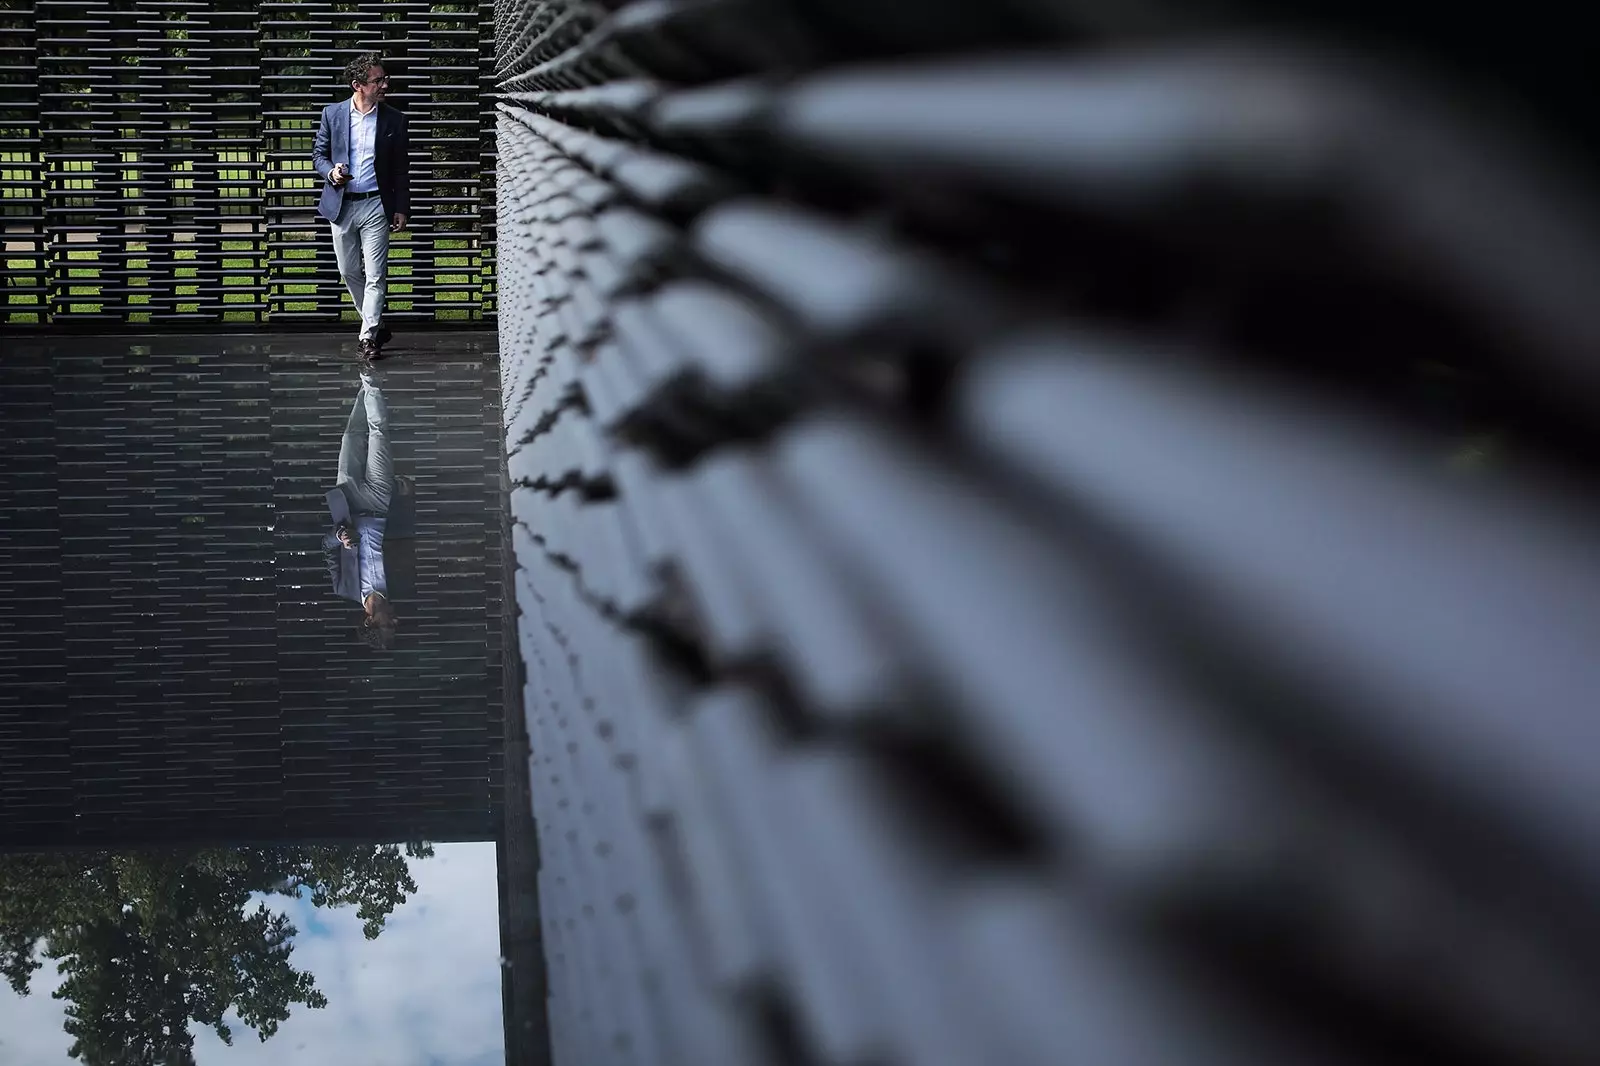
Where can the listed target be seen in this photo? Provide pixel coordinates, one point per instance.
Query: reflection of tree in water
(149, 941)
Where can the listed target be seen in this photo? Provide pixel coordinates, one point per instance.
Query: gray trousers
(365, 469)
(361, 244)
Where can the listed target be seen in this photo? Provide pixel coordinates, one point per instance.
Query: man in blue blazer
(362, 505)
(362, 153)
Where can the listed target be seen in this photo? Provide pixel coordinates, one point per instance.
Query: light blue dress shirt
(369, 532)
(363, 150)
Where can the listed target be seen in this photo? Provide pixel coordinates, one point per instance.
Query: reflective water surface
(251, 638)
(346, 954)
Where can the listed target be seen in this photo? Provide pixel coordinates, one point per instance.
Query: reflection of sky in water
(425, 993)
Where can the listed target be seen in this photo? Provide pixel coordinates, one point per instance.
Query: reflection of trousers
(365, 470)
(361, 244)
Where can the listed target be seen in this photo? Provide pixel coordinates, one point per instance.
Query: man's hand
(344, 535)
(398, 222)
(339, 174)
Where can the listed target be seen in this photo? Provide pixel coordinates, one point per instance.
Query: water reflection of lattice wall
(175, 668)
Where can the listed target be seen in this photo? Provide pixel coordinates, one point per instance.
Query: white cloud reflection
(425, 993)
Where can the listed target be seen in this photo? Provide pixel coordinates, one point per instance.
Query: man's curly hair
(359, 67)
(375, 635)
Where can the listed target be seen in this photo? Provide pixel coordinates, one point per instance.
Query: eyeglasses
(377, 81)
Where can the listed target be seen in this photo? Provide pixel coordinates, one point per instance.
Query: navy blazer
(391, 158)
(344, 569)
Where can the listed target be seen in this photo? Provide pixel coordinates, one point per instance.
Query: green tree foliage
(149, 942)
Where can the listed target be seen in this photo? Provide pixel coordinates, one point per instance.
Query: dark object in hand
(345, 534)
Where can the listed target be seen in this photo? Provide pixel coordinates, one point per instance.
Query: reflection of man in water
(360, 509)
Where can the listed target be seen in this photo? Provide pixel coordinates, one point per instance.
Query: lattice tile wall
(1033, 542)
(156, 167)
